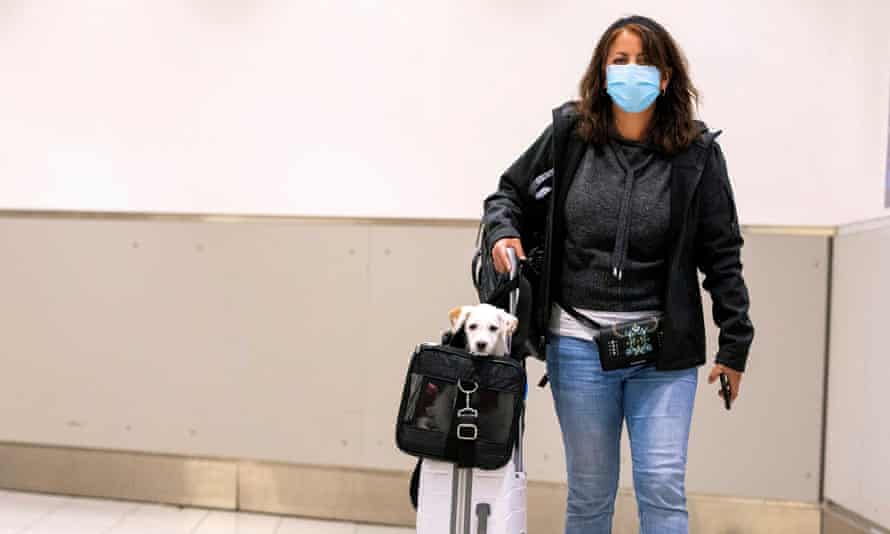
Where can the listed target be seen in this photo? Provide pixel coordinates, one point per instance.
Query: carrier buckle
(467, 431)
(468, 412)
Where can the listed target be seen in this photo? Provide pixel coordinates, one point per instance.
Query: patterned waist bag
(625, 344)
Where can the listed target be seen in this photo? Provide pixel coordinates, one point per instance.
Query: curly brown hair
(673, 126)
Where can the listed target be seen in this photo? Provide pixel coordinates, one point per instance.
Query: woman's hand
(735, 379)
(499, 253)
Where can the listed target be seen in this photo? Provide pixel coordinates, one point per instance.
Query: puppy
(486, 327)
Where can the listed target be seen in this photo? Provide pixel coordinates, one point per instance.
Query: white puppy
(487, 328)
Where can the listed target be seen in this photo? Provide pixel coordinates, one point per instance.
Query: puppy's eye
(473, 326)
(492, 328)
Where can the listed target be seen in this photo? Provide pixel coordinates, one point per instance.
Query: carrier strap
(503, 289)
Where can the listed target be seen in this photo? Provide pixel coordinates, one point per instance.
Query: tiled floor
(27, 513)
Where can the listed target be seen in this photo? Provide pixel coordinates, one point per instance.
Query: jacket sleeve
(718, 244)
(505, 208)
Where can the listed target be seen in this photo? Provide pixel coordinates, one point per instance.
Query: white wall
(876, 102)
(857, 462)
(409, 109)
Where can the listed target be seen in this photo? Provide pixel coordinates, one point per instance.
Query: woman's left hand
(735, 379)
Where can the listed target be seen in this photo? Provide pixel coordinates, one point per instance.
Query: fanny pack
(625, 344)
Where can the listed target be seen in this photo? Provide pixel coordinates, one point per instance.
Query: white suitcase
(453, 500)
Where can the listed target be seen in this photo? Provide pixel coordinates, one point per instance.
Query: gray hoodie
(617, 217)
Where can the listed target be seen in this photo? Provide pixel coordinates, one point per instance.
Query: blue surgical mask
(633, 87)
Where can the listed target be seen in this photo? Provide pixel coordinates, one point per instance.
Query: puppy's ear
(508, 322)
(458, 316)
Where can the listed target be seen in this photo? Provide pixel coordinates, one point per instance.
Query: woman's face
(627, 49)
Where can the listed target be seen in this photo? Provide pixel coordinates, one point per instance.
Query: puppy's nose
(480, 345)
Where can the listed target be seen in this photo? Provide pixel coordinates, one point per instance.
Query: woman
(633, 197)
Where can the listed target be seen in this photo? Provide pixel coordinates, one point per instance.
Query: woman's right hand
(499, 253)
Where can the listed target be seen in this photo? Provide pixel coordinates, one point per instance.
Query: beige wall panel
(858, 427)
(188, 338)
(121, 475)
(769, 445)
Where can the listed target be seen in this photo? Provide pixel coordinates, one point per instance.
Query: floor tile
(82, 516)
(237, 523)
(375, 529)
(293, 525)
(21, 510)
(149, 518)
(30, 513)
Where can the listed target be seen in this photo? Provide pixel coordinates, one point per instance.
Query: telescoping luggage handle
(513, 301)
(513, 307)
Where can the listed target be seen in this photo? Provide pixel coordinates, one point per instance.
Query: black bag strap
(467, 418)
(503, 290)
(477, 257)
(583, 319)
(466, 454)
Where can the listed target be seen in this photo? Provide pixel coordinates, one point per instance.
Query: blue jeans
(591, 406)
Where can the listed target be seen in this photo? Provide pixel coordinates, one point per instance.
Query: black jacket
(704, 234)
